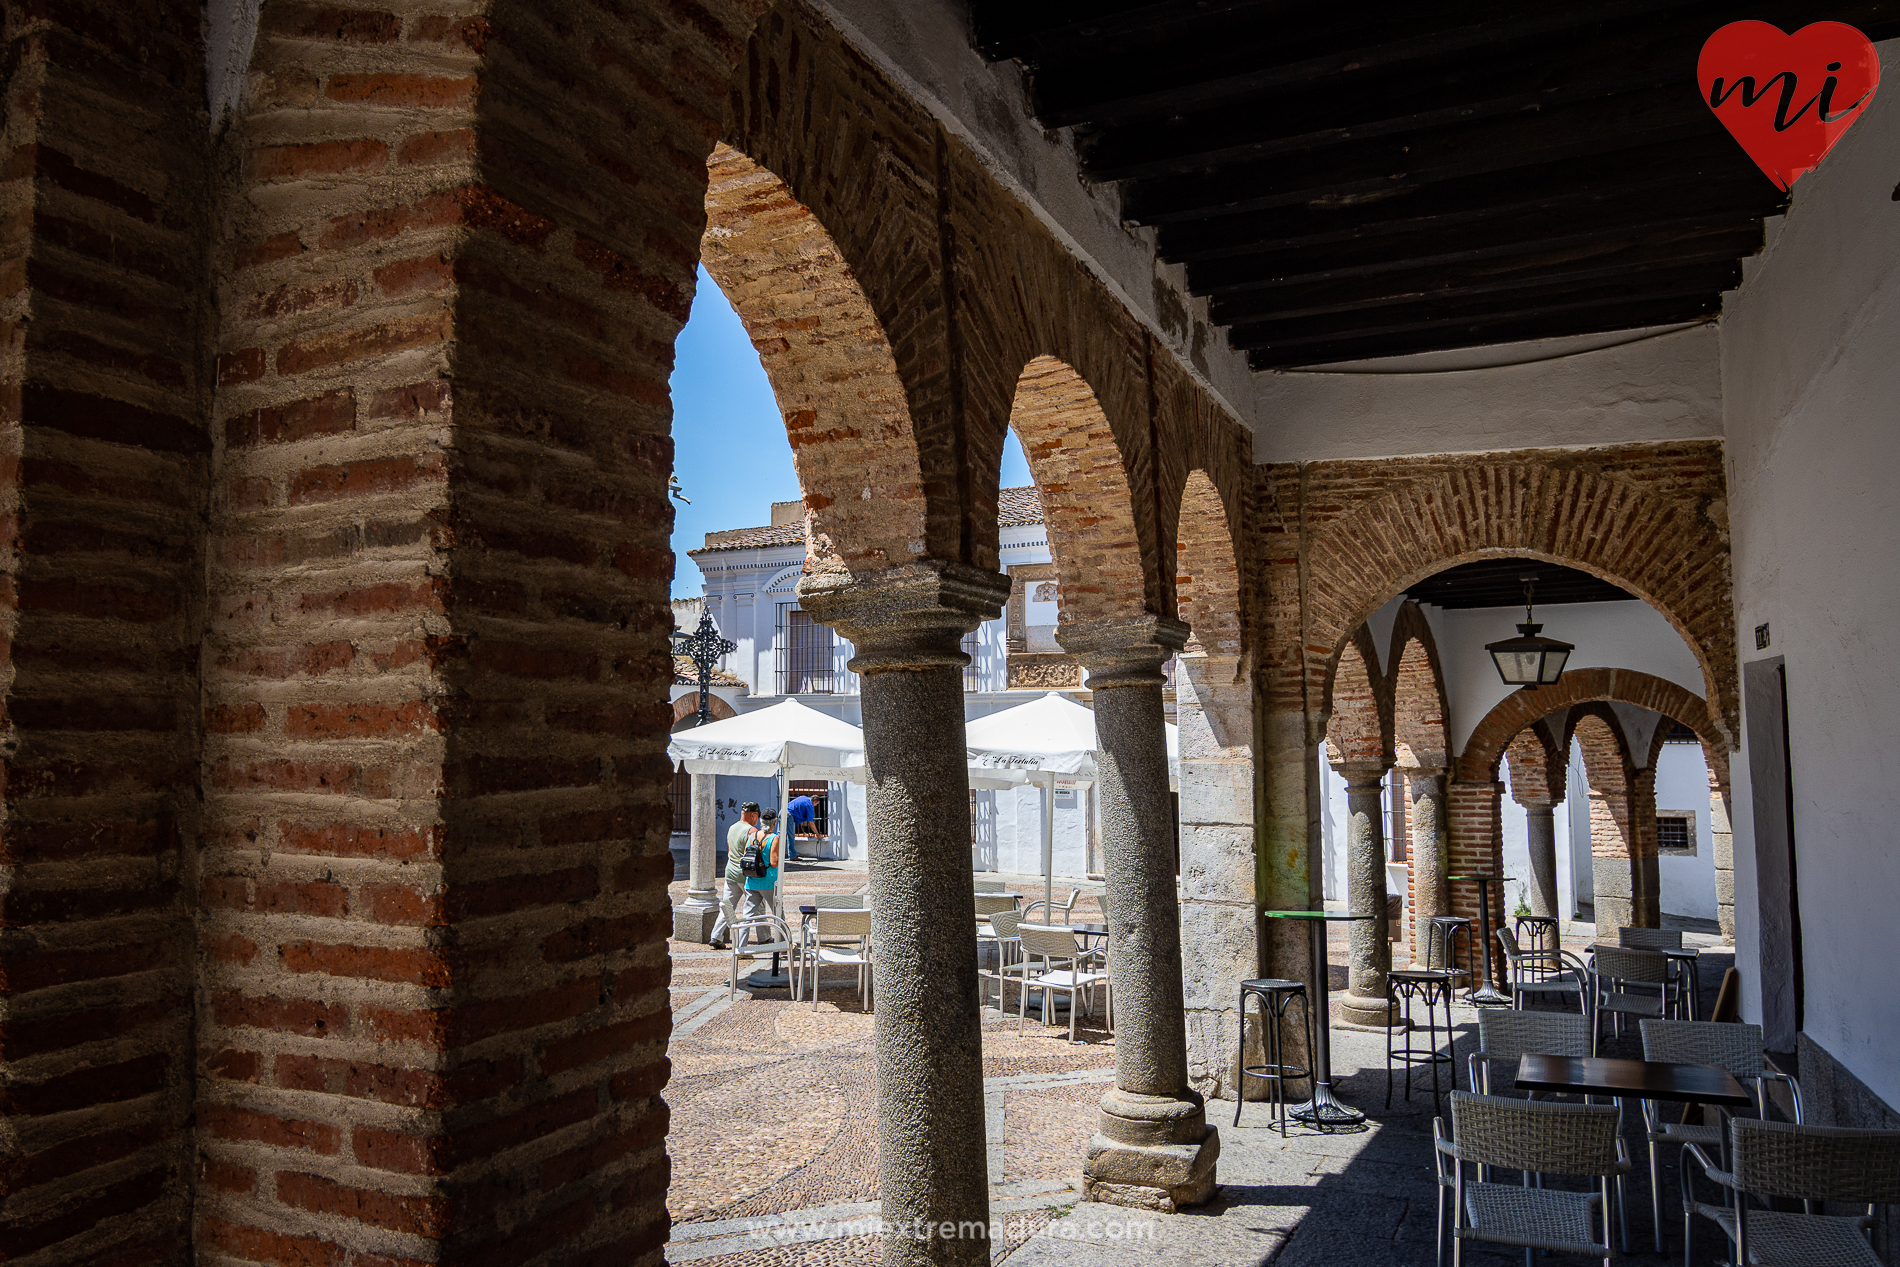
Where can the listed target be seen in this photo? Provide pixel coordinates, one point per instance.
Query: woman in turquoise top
(761, 891)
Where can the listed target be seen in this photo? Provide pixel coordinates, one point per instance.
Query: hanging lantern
(1529, 660)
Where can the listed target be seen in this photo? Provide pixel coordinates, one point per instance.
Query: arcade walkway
(773, 1143)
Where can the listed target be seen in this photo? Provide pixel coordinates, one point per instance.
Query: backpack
(758, 853)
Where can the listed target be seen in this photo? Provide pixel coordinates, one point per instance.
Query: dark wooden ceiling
(1500, 583)
(1356, 180)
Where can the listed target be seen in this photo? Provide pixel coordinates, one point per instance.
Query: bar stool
(1444, 932)
(1432, 988)
(1276, 995)
(1541, 934)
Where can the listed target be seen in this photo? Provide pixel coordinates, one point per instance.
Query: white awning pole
(1048, 849)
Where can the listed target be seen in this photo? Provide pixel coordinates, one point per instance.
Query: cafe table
(1631, 1079)
(1485, 992)
(1324, 1109)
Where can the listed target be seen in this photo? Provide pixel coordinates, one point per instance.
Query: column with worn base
(1153, 1147)
(1430, 893)
(1370, 957)
(906, 624)
(693, 918)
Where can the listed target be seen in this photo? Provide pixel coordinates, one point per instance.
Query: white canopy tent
(1047, 741)
(786, 741)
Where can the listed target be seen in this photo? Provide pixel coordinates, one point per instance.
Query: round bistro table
(1324, 1110)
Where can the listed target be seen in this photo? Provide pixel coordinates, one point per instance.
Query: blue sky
(729, 446)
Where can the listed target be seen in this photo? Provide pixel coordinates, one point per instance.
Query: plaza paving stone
(774, 1139)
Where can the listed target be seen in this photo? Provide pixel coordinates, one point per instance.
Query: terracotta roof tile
(1015, 508)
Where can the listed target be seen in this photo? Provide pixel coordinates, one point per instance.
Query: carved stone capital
(909, 617)
(1126, 651)
(1362, 777)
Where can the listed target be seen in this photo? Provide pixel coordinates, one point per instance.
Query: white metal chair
(1059, 912)
(1534, 973)
(839, 939)
(1055, 945)
(782, 943)
(1613, 970)
(1733, 1046)
(1537, 1138)
(1811, 1164)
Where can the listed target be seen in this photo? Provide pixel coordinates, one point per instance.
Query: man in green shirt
(736, 837)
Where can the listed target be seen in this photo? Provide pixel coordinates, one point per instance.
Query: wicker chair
(1058, 911)
(992, 886)
(1505, 1036)
(1615, 969)
(1811, 1164)
(1649, 938)
(1533, 973)
(1002, 931)
(781, 943)
(1732, 1046)
(1056, 946)
(839, 938)
(1536, 1138)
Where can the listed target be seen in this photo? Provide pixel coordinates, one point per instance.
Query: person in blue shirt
(761, 891)
(804, 817)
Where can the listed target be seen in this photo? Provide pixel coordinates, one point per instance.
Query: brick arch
(804, 106)
(1649, 534)
(1539, 764)
(830, 363)
(1086, 502)
(1358, 708)
(1207, 573)
(1418, 692)
(1579, 686)
(688, 704)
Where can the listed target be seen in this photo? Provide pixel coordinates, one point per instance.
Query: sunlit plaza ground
(774, 1136)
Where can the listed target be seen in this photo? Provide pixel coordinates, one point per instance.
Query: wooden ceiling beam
(1486, 279)
(1371, 167)
(1159, 81)
(1513, 327)
(1628, 186)
(1497, 246)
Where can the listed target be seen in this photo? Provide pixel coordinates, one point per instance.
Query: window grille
(1679, 733)
(679, 795)
(805, 654)
(1675, 834)
(973, 671)
(820, 794)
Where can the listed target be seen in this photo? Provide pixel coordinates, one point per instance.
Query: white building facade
(751, 578)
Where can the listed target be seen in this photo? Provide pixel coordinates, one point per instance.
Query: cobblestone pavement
(774, 1139)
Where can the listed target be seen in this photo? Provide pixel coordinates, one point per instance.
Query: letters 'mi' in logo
(1788, 98)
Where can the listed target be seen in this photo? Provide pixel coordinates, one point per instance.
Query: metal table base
(1324, 1110)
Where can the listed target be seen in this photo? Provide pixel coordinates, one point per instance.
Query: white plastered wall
(1622, 388)
(1811, 381)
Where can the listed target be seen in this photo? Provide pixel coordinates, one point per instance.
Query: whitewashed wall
(1811, 381)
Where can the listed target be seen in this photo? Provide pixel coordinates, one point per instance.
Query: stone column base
(694, 923)
(1153, 1152)
(1355, 1010)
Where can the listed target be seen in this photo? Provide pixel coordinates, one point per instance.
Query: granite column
(693, 918)
(1153, 1147)
(905, 624)
(1431, 847)
(1370, 955)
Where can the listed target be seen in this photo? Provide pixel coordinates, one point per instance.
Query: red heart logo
(1788, 98)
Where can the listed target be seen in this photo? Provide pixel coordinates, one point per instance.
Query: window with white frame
(806, 654)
